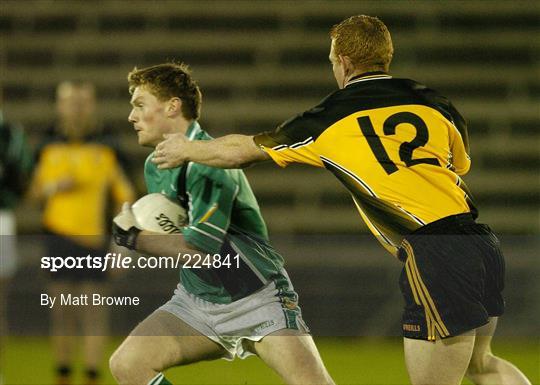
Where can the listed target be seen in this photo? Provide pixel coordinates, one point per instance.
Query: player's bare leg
(293, 356)
(487, 369)
(95, 328)
(442, 362)
(63, 331)
(159, 342)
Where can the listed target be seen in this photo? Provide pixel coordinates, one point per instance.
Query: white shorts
(250, 318)
(8, 246)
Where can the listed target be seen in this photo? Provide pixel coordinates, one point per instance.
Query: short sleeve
(211, 200)
(459, 144)
(121, 188)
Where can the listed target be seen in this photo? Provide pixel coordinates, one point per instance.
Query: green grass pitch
(27, 360)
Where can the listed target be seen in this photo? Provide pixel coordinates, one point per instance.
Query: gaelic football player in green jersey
(243, 303)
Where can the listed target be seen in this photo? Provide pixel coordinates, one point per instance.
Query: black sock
(92, 374)
(63, 370)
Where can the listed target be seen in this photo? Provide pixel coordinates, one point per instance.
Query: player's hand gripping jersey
(397, 146)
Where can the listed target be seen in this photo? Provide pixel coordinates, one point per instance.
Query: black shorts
(453, 278)
(60, 246)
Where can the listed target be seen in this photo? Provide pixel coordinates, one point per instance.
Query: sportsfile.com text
(117, 261)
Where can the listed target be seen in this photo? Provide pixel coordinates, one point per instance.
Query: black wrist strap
(131, 241)
(126, 238)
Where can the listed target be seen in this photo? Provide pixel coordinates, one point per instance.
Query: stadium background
(259, 62)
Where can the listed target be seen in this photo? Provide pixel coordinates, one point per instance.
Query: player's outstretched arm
(230, 151)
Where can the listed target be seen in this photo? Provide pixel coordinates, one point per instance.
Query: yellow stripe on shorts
(433, 317)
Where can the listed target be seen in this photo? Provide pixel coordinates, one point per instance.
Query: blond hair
(167, 81)
(365, 40)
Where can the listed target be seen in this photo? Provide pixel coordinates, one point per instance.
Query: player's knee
(319, 376)
(479, 364)
(117, 365)
(323, 379)
(125, 365)
(328, 380)
(315, 376)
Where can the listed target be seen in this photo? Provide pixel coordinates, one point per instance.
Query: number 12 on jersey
(405, 149)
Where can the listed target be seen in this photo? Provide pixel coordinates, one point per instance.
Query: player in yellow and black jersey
(396, 145)
(399, 148)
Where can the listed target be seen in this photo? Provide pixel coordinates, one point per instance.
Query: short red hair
(365, 40)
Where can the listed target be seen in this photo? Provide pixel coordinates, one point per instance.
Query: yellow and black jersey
(396, 145)
(96, 174)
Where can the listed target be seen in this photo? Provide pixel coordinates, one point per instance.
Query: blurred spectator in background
(76, 174)
(15, 168)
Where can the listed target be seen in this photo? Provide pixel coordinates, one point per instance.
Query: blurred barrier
(260, 62)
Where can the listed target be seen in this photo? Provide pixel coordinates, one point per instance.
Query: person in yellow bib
(76, 178)
(399, 148)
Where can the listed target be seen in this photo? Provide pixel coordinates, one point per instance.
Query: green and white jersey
(224, 219)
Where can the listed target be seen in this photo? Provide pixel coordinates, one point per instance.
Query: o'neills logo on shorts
(411, 328)
(167, 224)
(263, 326)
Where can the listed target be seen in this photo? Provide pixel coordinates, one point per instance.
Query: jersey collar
(193, 130)
(375, 75)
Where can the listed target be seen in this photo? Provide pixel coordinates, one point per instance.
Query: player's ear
(346, 63)
(174, 106)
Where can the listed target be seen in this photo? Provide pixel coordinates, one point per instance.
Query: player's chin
(143, 139)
